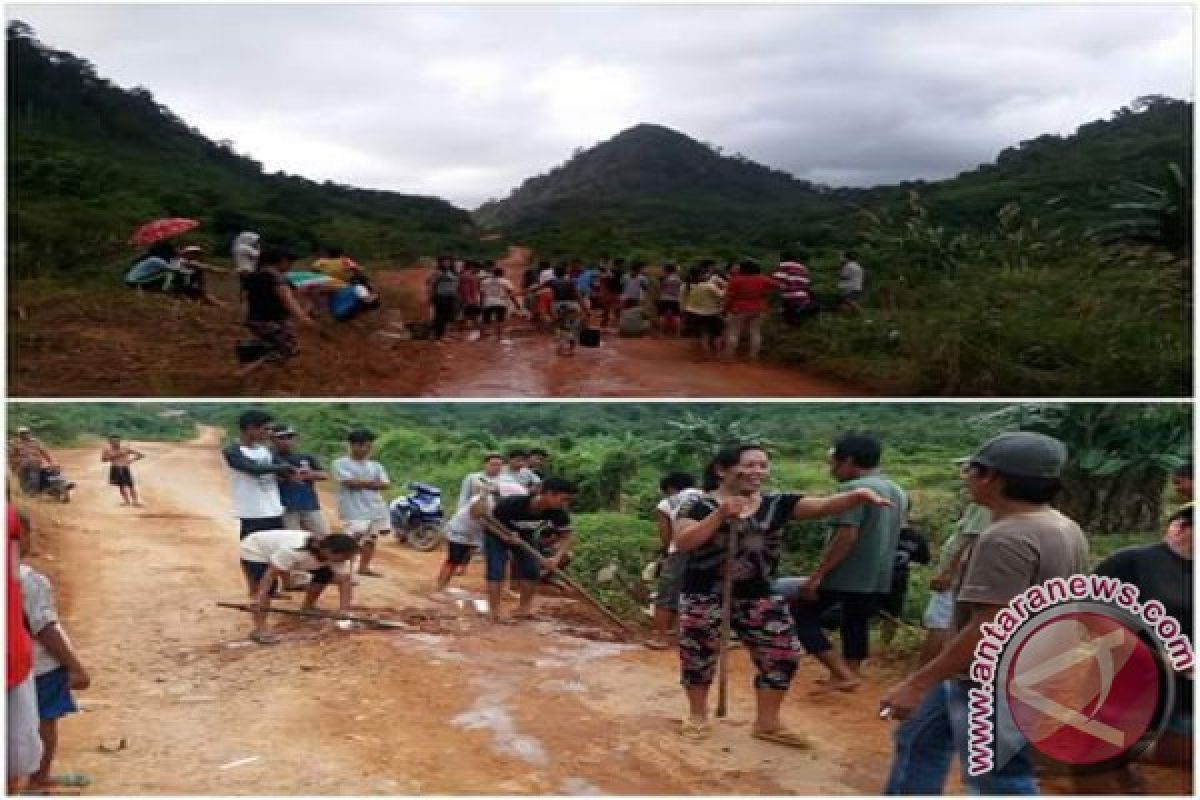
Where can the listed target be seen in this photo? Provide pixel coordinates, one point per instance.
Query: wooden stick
(314, 614)
(726, 621)
(497, 529)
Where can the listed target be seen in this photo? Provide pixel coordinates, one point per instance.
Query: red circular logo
(1083, 688)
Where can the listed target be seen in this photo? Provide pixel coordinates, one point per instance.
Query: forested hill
(89, 161)
(653, 187)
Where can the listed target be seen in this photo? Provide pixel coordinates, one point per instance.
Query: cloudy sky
(465, 102)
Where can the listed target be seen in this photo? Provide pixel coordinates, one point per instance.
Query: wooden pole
(496, 528)
(726, 621)
(314, 614)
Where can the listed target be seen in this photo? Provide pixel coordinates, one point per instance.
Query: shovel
(495, 528)
(369, 622)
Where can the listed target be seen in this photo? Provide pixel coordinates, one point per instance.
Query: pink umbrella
(161, 229)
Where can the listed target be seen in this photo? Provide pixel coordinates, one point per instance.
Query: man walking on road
(856, 566)
(360, 505)
(254, 472)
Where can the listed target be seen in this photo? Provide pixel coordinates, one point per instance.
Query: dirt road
(181, 703)
(525, 365)
(462, 708)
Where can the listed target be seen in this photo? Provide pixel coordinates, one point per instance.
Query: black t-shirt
(564, 290)
(517, 514)
(759, 547)
(262, 296)
(1159, 573)
(912, 548)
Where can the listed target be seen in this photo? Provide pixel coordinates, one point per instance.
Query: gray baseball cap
(1024, 454)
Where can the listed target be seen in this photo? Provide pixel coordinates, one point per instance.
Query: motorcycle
(55, 486)
(417, 517)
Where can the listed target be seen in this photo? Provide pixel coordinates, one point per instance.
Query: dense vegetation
(89, 161)
(617, 453)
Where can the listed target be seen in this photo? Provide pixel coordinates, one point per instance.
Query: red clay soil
(182, 703)
(120, 343)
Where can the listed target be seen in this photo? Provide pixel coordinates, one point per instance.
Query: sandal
(265, 637)
(696, 730)
(657, 644)
(785, 737)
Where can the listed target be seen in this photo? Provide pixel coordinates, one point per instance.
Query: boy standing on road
(360, 505)
(57, 670)
(119, 458)
(301, 505)
(254, 472)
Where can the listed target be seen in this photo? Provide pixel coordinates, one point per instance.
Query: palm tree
(1120, 458)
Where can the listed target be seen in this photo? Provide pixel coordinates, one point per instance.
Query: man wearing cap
(1014, 476)
(301, 505)
(361, 507)
(28, 457)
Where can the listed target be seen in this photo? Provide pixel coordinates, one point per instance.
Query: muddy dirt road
(525, 365)
(181, 703)
(460, 708)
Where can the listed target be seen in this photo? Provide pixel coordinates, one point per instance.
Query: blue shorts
(496, 554)
(54, 695)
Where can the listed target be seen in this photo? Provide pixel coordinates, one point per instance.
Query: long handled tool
(370, 622)
(497, 529)
(726, 617)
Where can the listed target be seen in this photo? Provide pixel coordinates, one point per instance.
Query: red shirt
(748, 294)
(20, 646)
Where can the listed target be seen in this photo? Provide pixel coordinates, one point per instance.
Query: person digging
(521, 517)
(733, 536)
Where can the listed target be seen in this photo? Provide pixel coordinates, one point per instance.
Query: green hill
(654, 188)
(89, 161)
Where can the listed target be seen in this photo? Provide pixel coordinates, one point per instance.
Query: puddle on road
(490, 712)
(560, 686)
(581, 787)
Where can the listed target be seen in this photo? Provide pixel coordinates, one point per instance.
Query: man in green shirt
(856, 566)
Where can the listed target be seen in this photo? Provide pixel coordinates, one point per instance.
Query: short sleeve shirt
(759, 547)
(868, 567)
(518, 515)
(1015, 553)
(850, 279)
(37, 597)
(360, 504)
(299, 495)
(262, 296)
(748, 293)
(284, 549)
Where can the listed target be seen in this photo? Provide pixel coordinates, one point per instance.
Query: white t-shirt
(671, 505)
(282, 550)
(37, 598)
(463, 529)
(360, 504)
(851, 277)
(546, 275)
(494, 292)
(524, 476)
(255, 496)
(245, 257)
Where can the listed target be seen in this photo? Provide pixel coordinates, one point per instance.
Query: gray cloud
(466, 102)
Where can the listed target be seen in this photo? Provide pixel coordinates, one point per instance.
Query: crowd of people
(723, 307)
(722, 539)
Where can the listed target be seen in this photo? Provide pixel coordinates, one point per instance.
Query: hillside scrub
(1014, 309)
